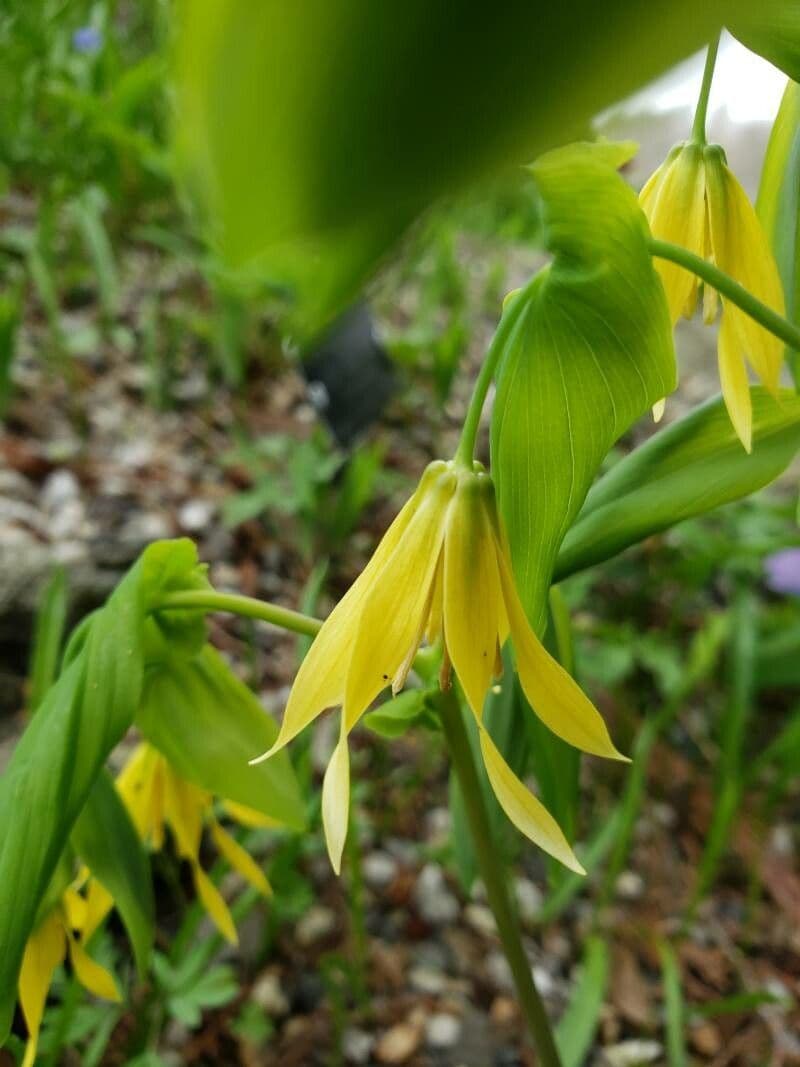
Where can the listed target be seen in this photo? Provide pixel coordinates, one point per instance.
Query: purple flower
(783, 571)
(87, 40)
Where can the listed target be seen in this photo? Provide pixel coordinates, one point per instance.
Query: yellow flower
(157, 797)
(442, 571)
(65, 930)
(694, 200)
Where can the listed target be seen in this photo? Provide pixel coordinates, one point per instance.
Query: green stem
(699, 124)
(730, 289)
(494, 879)
(249, 607)
(469, 433)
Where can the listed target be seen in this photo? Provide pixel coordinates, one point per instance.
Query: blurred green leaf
(48, 635)
(9, 323)
(576, 1028)
(778, 203)
(674, 1006)
(56, 762)
(588, 350)
(315, 133)
(686, 469)
(772, 29)
(393, 718)
(209, 725)
(106, 840)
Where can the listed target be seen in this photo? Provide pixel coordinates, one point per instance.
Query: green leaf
(106, 840)
(58, 758)
(772, 29)
(674, 1006)
(209, 725)
(778, 203)
(576, 1029)
(48, 634)
(315, 133)
(396, 716)
(686, 469)
(588, 351)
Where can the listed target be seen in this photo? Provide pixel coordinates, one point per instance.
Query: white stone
(434, 901)
(316, 924)
(442, 1030)
(357, 1045)
(269, 995)
(195, 515)
(634, 1053)
(380, 869)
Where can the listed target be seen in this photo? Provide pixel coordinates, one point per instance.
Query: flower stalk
(729, 288)
(236, 604)
(701, 112)
(494, 878)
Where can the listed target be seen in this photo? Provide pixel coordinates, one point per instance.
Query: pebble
(480, 918)
(380, 869)
(398, 1044)
(499, 971)
(442, 1030)
(630, 885)
(427, 980)
(503, 1011)
(357, 1045)
(315, 925)
(634, 1053)
(195, 515)
(269, 995)
(529, 901)
(61, 487)
(438, 825)
(435, 903)
(142, 528)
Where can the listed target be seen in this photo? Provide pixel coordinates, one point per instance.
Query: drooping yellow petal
(249, 816)
(140, 783)
(184, 806)
(527, 813)
(733, 379)
(336, 799)
(394, 610)
(44, 951)
(75, 908)
(675, 210)
(741, 249)
(659, 408)
(212, 901)
(240, 859)
(433, 629)
(99, 903)
(91, 974)
(556, 698)
(320, 681)
(471, 591)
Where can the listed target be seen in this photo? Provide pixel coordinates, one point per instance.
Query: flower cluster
(441, 573)
(695, 201)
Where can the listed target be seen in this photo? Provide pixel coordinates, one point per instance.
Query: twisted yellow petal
(733, 379)
(395, 610)
(740, 248)
(212, 901)
(673, 201)
(320, 681)
(44, 951)
(527, 813)
(336, 799)
(90, 973)
(556, 698)
(240, 859)
(471, 591)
